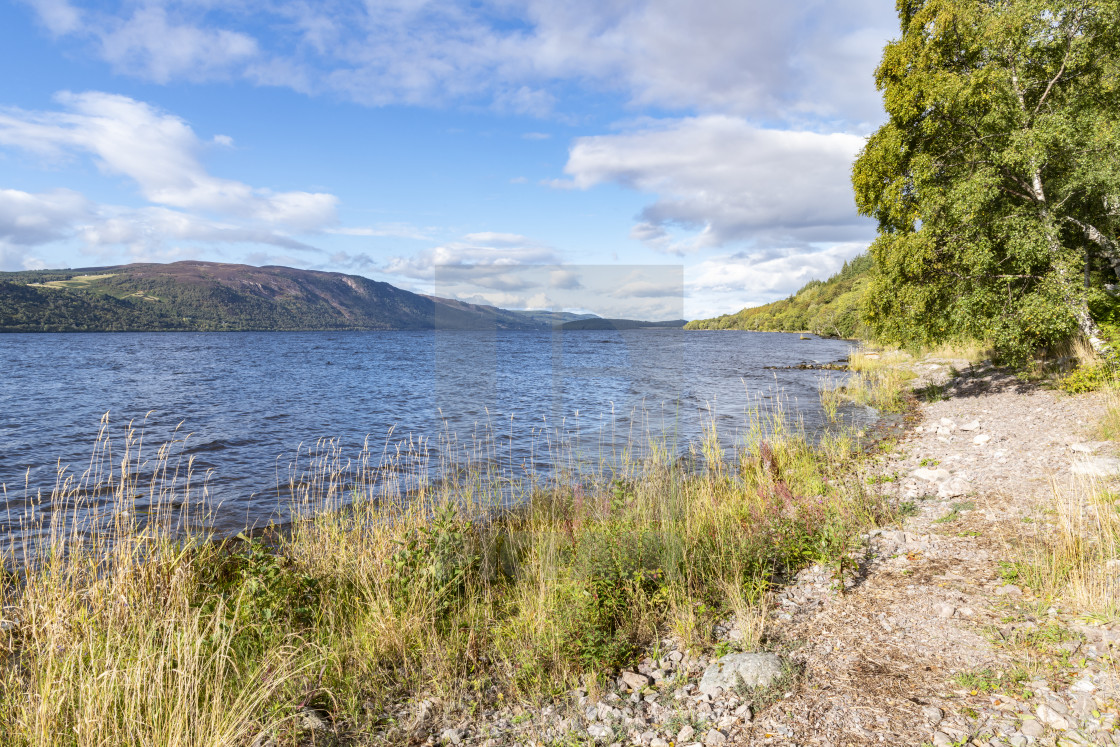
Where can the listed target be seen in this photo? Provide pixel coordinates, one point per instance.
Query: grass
(955, 510)
(1076, 559)
(413, 571)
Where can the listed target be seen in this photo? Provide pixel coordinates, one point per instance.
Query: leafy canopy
(996, 180)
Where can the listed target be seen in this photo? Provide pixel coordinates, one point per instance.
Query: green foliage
(829, 307)
(995, 181)
(433, 562)
(1086, 379)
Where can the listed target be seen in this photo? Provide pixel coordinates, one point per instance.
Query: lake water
(249, 400)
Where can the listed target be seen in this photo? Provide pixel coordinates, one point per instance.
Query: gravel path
(921, 649)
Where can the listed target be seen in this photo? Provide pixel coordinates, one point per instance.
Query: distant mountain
(825, 307)
(214, 296)
(598, 323)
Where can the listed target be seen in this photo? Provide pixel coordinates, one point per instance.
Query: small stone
(685, 734)
(658, 742)
(933, 714)
(973, 426)
(1083, 686)
(930, 475)
(942, 609)
(941, 739)
(451, 736)
(1017, 741)
(635, 681)
(1009, 590)
(647, 737)
(714, 736)
(982, 439)
(598, 731)
(744, 712)
(953, 487)
(1051, 718)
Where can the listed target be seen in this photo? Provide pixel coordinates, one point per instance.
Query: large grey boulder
(755, 670)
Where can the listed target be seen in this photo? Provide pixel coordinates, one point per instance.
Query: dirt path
(931, 646)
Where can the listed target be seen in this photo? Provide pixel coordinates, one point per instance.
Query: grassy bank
(477, 587)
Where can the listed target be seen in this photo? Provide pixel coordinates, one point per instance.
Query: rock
(1089, 447)
(1083, 686)
(714, 736)
(1008, 590)
(933, 714)
(1051, 718)
(973, 426)
(744, 712)
(942, 609)
(685, 734)
(953, 487)
(635, 681)
(982, 439)
(311, 721)
(647, 737)
(1017, 741)
(930, 475)
(451, 736)
(1097, 466)
(658, 742)
(755, 670)
(1032, 728)
(941, 739)
(598, 731)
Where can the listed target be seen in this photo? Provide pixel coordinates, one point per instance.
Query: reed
(411, 569)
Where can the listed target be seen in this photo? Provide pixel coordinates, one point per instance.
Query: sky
(640, 158)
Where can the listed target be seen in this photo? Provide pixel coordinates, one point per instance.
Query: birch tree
(996, 179)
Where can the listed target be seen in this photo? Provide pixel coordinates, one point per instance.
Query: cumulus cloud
(736, 56)
(726, 180)
(31, 220)
(150, 229)
(724, 284)
(158, 151)
(486, 255)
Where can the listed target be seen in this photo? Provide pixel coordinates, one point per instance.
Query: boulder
(754, 670)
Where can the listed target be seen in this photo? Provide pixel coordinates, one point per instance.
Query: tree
(996, 179)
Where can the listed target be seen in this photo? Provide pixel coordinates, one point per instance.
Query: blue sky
(447, 146)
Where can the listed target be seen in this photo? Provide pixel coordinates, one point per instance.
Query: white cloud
(149, 229)
(389, 230)
(734, 56)
(726, 180)
(30, 220)
(158, 151)
(727, 283)
(488, 256)
(33, 219)
(165, 49)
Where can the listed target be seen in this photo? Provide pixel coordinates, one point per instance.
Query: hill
(599, 323)
(208, 296)
(824, 307)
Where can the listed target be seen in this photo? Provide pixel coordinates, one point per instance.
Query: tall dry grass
(411, 570)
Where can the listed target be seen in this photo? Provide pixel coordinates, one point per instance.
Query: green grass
(413, 571)
(955, 511)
